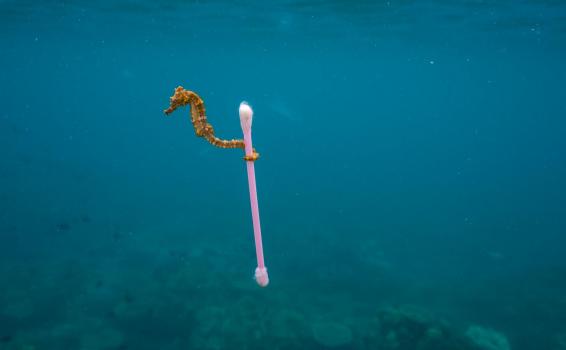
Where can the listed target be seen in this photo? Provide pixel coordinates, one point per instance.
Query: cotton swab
(246, 116)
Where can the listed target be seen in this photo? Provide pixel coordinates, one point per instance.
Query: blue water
(412, 179)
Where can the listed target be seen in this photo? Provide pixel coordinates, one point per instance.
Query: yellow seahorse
(202, 127)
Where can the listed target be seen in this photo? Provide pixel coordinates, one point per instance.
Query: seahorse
(202, 127)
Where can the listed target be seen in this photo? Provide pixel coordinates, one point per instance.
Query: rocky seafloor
(147, 296)
(71, 305)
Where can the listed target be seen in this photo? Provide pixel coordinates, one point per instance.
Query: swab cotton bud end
(246, 115)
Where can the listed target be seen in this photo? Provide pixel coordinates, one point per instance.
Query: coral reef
(409, 328)
(169, 303)
(487, 339)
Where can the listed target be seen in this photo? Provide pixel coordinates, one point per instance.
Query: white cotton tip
(261, 276)
(246, 114)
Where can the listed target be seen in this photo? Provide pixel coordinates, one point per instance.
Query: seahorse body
(202, 127)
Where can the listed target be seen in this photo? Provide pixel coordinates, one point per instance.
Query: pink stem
(261, 272)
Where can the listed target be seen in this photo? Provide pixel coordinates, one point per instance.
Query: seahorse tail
(223, 143)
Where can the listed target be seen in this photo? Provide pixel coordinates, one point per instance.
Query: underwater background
(412, 179)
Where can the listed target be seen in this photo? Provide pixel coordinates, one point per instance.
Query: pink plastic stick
(246, 115)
